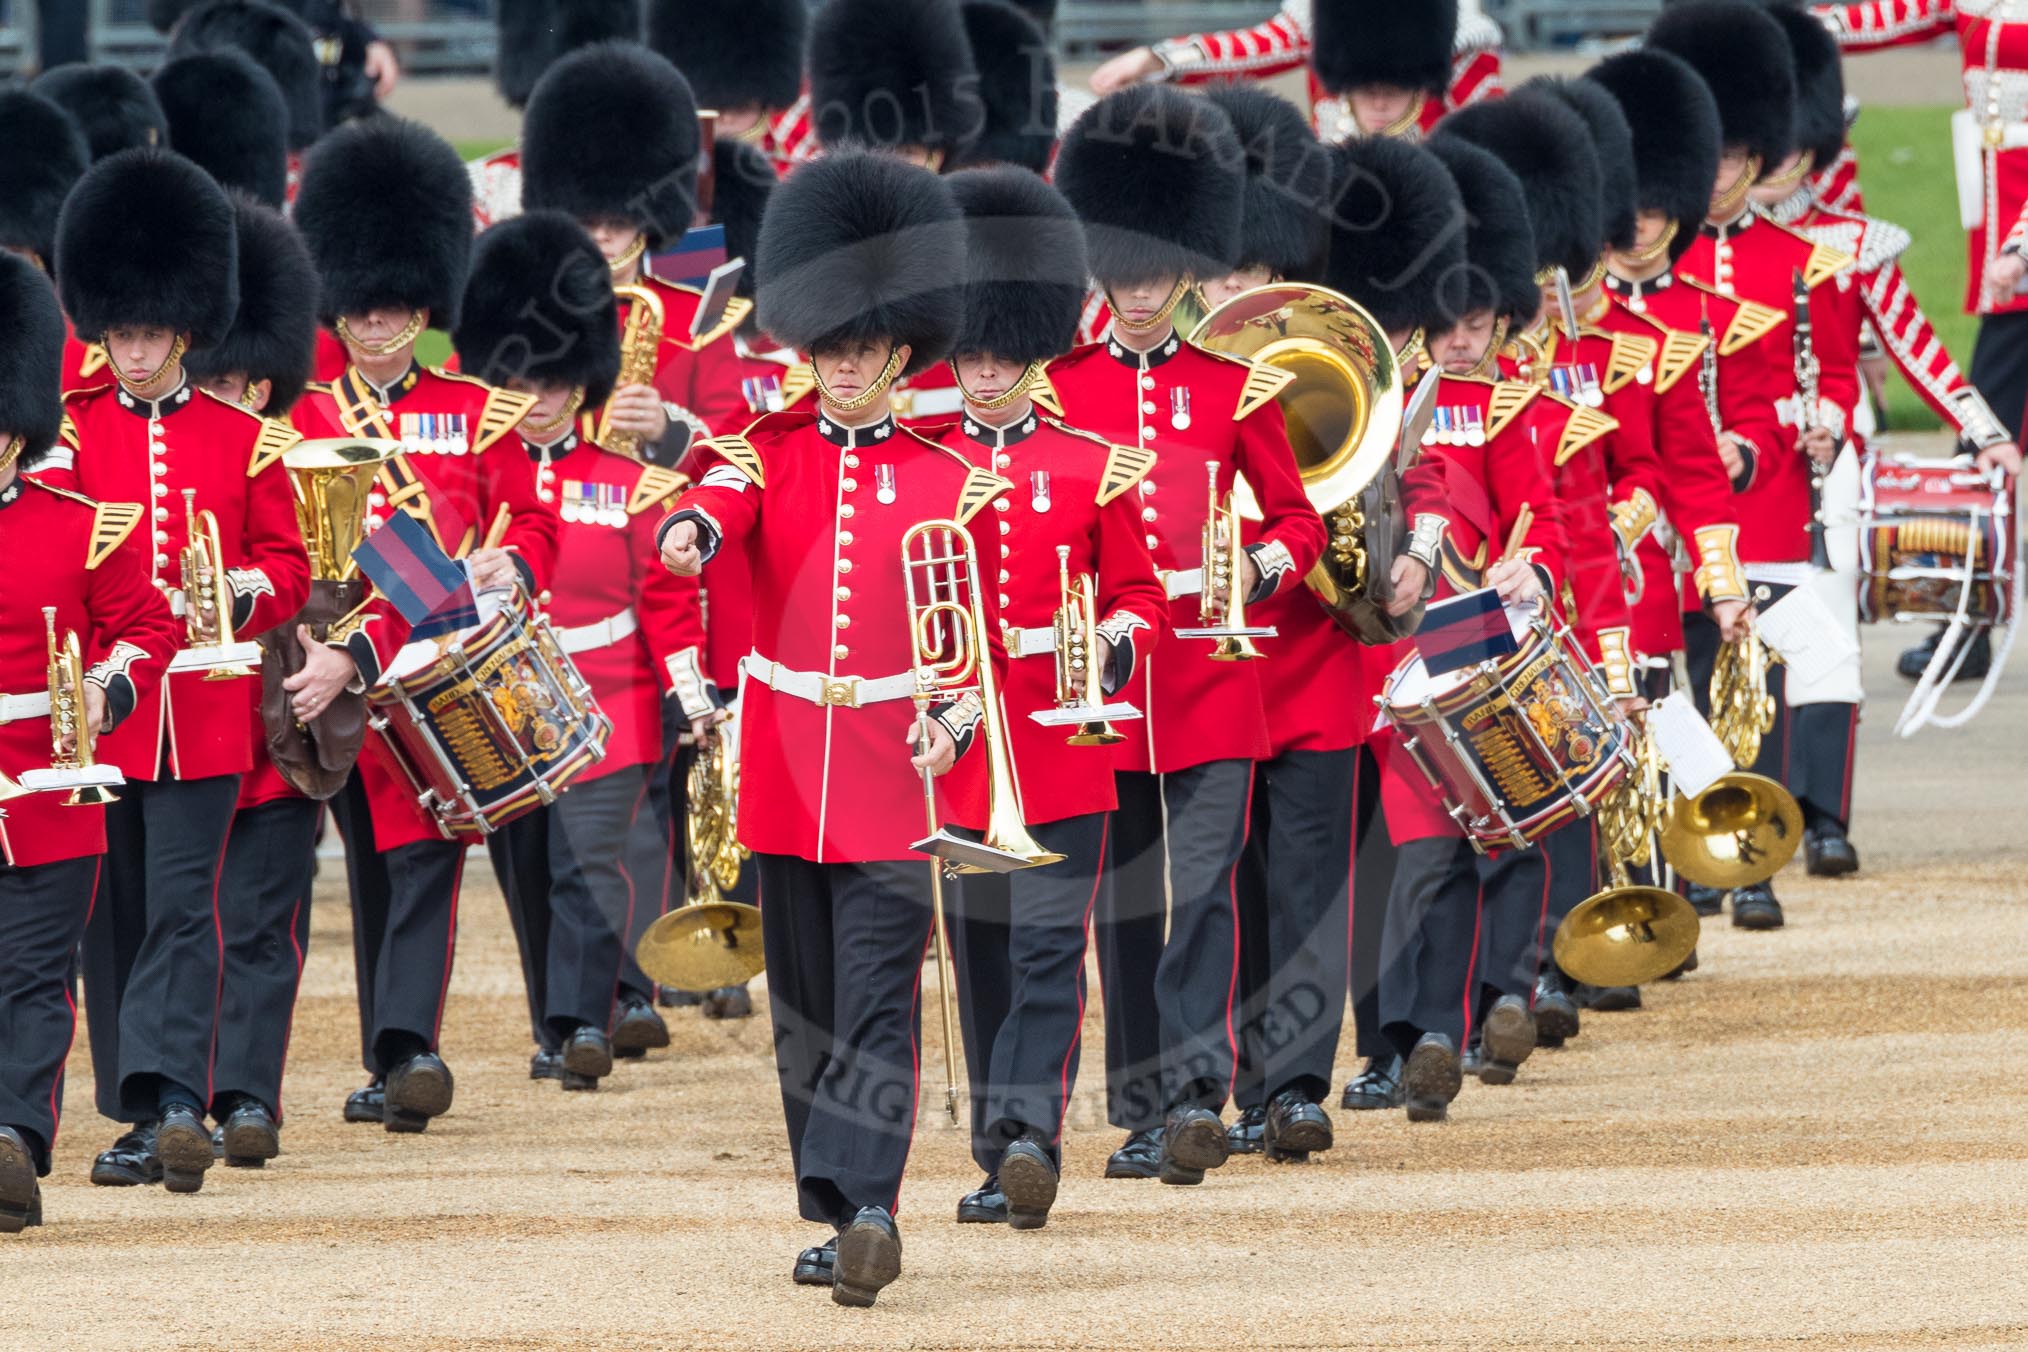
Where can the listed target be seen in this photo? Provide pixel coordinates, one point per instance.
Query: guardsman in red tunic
(1745, 58)
(857, 262)
(151, 954)
(1072, 509)
(386, 211)
(80, 567)
(574, 871)
(42, 156)
(611, 138)
(270, 857)
(744, 61)
(1157, 177)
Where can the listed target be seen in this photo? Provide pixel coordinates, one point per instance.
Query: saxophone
(640, 341)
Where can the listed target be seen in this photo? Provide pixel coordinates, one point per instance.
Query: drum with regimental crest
(1937, 541)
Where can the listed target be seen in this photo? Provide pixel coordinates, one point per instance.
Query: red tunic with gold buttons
(90, 562)
(459, 471)
(822, 510)
(125, 449)
(698, 378)
(1074, 489)
(1191, 409)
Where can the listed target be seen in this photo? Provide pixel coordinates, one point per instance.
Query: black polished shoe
(1028, 1179)
(1915, 661)
(131, 1162)
(1755, 908)
(1140, 1157)
(587, 1054)
(546, 1064)
(984, 1205)
(20, 1190)
(1193, 1141)
(670, 998)
(728, 1002)
(1244, 1135)
(249, 1137)
(1609, 999)
(184, 1147)
(1507, 1039)
(1705, 900)
(1295, 1129)
(1684, 968)
(417, 1090)
(1556, 1017)
(813, 1265)
(1472, 1059)
(639, 1030)
(1377, 1086)
(368, 1104)
(1827, 853)
(1431, 1078)
(869, 1258)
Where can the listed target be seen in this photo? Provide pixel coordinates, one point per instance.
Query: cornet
(73, 765)
(207, 597)
(1221, 609)
(1080, 693)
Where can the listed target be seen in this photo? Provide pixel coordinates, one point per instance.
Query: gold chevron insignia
(738, 452)
(656, 485)
(1631, 355)
(113, 523)
(1680, 352)
(503, 413)
(981, 487)
(1505, 404)
(274, 441)
(1585, 426)
(1125, 467)
(1263, 383)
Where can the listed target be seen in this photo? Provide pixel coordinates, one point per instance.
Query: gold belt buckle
(1996, 134)
(841, 693)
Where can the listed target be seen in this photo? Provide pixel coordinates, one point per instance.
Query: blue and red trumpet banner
(406, 565)
(1462, 631)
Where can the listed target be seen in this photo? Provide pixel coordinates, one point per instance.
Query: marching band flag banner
(1461, 631)
(432, 591)
(691, 260)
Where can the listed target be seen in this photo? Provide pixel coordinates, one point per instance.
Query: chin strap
(872, 392)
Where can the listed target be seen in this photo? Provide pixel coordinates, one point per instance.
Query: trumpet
(1080, 693)
(71, 734)
(947, 627)
(1221, 609)
(208, 601)
(711, 942)
(640, 343)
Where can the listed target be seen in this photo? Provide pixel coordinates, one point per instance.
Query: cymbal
(703, 947)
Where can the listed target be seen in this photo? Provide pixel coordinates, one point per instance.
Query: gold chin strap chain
(1486, 361)
(1726, 207)
(629, 255)
(1014, 392)
(410, 331)
(1408, 121)
(871, 393)
(1160, 317)
(176, 351)
(1804, 164)
(11, 454)
(541, 434)
(1641, 258)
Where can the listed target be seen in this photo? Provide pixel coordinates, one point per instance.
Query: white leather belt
(14, 708)
(586, 638)
(846, 692)
(1030, 642)
(1184, 582)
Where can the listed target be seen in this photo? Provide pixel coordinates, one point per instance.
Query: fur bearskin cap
(1743, 56)
(1677, 137)
(1613, 141)
(1397, 231)
(1288, 180)
(1500, 248)
(1549, 149)
(611, 131)
(148, 239)
(888, 74)
(1820, 81)
(386, 209)
(1017, 83)
(540, 307)
(115, 108)
(226, 114)
(735, 53)
(31, 360)
(1025, 270)
(1384, 42)
(743, 178)
(279, 43)
(42, 156)
(274, 335)
(533, 33)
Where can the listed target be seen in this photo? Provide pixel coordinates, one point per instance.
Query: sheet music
(1802, 631)
(1692, 751)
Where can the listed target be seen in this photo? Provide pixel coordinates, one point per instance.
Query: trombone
(207, 595)
(1080, 692)
(947, 629)
(1221, 609)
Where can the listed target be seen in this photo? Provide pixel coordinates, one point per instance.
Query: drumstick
(1522, 521)
(498, 530)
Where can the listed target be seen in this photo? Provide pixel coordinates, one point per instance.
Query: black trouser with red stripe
(1018, 940)
(404, 933)
(264, 920)
(845, 946)
(659, 873)
(571, 898)
(1460, 933)
(151, 951)
(42, 919)
(1176, 843)
(1570, 858)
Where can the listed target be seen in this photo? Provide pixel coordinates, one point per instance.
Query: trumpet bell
(1095, 734)
(1626, 936)
(1740, 831)
(703, 946)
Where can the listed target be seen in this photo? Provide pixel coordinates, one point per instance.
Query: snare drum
(1936, 539)
(490, 723)
(1513, 746)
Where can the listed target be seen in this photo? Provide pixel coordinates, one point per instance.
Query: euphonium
(67, 718)
(711, 942)
(1626, 935)
(1221, 603)
(1078, 685)
(640, 343)
(205, 592)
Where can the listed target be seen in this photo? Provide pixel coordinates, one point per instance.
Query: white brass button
(845, 510)
(841, 651)
(161, 490)
(1151, 542)
(161, 513)
(1004, 602)
(1147, 434)
(1147, 488)
(844, 537)
(1147, 406)
(1006, 527)
(161, 537)
(843, 621)
(161, 560)
(1147, 382)
(844, 593)
(844, 565)
(1000, 503)
(1005, 576)
(850, 485)
(1003, 460)
(852, 462)
(1147, 514)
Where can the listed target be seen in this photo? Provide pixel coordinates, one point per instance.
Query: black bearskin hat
(742, 179)
(386, 209)
(861, 246)
(1743, 56)
(1820, 81)
(1158, 177)
(1384, 42)
(115, 108)
(1288, 179)
(147, 238)
(226, 114)
(1025, 271)
(279, 43)
(1611, 138)
(31, 360)
(1397, 232)
(612, 131)
(1042, 11)
(893, 73)
(274, 335)
(42, 156)
(1549, 149)
(540, 307)
(735, 53)
(1677, 138)
(1017, 83)
(534, 33)
(1499, 242)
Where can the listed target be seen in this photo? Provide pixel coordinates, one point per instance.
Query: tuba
(207, 594)
(640, 344)
(711, 942)
(1344, 413)
(332, 480)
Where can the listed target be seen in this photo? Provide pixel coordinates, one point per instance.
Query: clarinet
(1807, 372)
